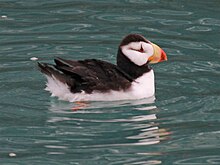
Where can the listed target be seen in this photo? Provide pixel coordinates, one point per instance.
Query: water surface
(181, 127)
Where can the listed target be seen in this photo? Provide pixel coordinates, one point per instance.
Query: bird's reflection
(62, 106)
(114, 124)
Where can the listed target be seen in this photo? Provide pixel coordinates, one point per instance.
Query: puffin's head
(140, 51)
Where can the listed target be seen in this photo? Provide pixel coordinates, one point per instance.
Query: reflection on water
(60, 106)
(136, 127)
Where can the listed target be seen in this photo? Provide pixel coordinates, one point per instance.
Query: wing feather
(89, 75)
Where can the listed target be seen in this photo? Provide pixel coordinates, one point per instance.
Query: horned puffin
(97, 80)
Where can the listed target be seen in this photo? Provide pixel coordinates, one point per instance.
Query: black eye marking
(141, 50)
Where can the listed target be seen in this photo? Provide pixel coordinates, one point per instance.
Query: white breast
(142, 87)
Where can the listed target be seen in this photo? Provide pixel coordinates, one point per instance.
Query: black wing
(88, 75)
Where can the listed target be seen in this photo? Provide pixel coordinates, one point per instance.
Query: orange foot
(79, 105)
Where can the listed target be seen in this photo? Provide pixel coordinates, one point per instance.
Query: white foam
(33, 58)
(3, 16)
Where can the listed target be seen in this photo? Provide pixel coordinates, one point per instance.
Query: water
(181, 127)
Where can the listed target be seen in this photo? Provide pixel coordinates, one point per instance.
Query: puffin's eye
(141, 49)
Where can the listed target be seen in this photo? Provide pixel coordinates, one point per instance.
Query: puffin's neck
(129, 67)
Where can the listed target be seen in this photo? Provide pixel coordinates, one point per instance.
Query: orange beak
(158, 56)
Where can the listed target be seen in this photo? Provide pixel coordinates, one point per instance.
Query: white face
(138, 52)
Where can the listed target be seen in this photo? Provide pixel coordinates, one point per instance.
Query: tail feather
(52, 72)
(61, 62)
(45, 68)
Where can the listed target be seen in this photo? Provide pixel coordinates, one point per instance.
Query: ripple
(55, 153)
(188, 44)
(170, 12)
(201, 160)
(175, 22)
(69, 11)
(121, 18)
(160, 31)
(210, 66)
(12, 47)
(63, 27)
(132, 119)
(56, 147)
(149, 162)
(139, 1)
(209, 21)
(199, 29)
(174, 52)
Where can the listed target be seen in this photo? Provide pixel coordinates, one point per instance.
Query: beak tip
(163, 55)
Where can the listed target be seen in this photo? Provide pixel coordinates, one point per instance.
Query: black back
(88, 75)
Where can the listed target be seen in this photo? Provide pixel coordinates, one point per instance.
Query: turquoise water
(181, 127)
